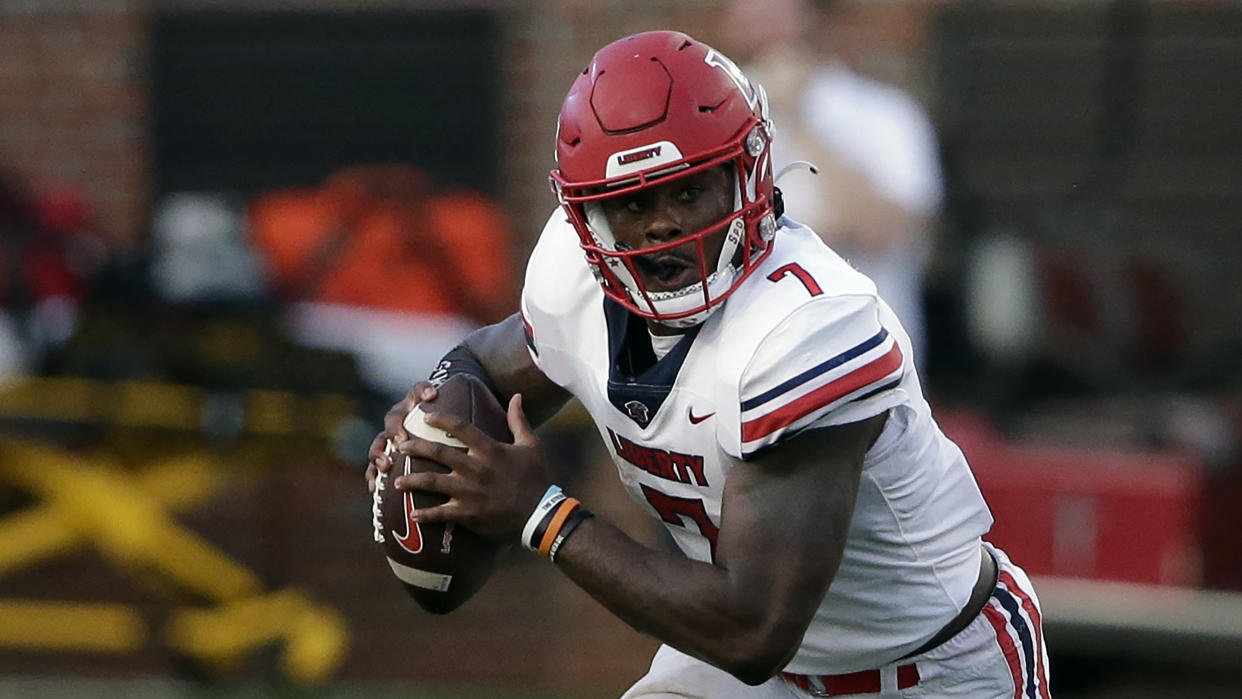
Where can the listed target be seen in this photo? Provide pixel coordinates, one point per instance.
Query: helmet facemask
(747, 231)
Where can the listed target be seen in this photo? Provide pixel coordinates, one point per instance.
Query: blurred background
(232, 232)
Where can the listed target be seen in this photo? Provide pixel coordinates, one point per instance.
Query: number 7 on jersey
(803, 276)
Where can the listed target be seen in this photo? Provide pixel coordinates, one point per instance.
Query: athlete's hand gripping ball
(441, 563)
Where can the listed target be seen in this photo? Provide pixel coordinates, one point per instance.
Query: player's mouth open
(667, 272)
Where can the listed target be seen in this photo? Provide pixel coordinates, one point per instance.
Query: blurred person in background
(201, 251)
(49, 252)
(756, 395)
(879, 185)
(380, 263)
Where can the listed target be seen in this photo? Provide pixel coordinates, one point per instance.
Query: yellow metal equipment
(126, 513)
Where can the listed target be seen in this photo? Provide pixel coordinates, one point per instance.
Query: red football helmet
(649, 109)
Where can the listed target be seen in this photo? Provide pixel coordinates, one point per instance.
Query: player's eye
(689, 194)
(630, 204)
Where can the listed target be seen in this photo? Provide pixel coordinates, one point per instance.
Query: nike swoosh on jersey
(696, 419)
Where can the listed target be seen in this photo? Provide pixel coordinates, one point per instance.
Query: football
(441, 565)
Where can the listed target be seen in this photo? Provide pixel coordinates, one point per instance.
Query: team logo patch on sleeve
(871, 367)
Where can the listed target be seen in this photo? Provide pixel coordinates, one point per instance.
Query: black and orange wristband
(578, 516)
(552, 521)
(551, 525)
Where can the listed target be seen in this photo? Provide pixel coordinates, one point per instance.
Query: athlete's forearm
(785, 520)
(698, 608)
(501, 349)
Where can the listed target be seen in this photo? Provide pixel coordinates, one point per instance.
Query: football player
(756, 396)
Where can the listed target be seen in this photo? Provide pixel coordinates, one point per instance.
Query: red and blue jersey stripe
(870, 367)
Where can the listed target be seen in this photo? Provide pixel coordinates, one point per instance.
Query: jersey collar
(638, 383)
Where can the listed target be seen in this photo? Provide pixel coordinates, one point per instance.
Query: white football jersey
(804, 342)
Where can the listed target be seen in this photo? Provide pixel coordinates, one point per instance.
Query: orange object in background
(378, 236)
(1105, 514)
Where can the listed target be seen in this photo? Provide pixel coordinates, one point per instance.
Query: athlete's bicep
(502, 350)
(784, 521)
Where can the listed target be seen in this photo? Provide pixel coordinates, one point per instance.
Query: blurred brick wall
(73, 83)
(73, 103)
